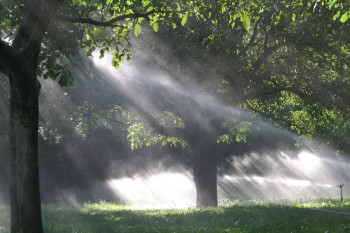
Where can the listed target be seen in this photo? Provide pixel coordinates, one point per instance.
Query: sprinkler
(341, 191)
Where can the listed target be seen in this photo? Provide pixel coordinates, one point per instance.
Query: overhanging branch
(266, 115)
(154, 124)
(110, 23)
(113, 120)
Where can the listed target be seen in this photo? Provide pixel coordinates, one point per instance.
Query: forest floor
(236, 216)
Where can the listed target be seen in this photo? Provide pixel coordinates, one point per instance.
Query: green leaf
(66, 80)
(150, 9)
(331, 4)
(89, 52)
(178, 8)
(336, 15)
(140, 19)
(223, 8)
(46, 75)
(115, 62)
(102, 53)
(344, 17)
(146, 3)
(155, 26)
(98, 32)
(128, 56)
(137, 29)
(246, 22)
(184, 19)
(296, 4)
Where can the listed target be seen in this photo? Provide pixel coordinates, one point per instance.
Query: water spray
(341, 191)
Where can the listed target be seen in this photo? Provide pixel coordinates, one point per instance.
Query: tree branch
(271, 117)
(158, 128)
(113, 120)
(109, 23)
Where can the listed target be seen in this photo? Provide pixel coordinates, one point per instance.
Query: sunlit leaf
(178, 8)
(223, 8)
(140, 19)
(336, 15)
(331, 4)
(150, 9)
(295, 4)
(155, 26)
(146, 3)
(137, 29)
(344, 17)
(246, 22)
(184, 19)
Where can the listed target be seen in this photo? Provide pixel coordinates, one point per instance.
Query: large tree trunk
(205, 173)
(24, 116)
(25, 195)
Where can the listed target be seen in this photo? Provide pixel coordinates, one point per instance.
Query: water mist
(274, 175)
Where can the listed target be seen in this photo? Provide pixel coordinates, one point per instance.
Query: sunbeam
(306, 175)
(162, 190)
(257, 175)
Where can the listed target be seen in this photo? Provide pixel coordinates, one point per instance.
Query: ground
(232, 216)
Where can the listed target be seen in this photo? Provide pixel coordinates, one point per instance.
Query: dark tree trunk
(24, 116)
(205, 173)
(24, 188)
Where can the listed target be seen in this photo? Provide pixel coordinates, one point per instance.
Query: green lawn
(234, 217)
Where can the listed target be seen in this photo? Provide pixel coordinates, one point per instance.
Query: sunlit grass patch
(327, 204)
(248, 216)
(103, 206)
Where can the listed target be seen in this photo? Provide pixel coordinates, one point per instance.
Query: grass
(236, 216)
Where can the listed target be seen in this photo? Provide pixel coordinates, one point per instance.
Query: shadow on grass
(105, 217)
(245, 217)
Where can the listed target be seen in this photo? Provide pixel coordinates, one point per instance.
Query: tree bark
(21, 69)
(24, 186)
(205, 172)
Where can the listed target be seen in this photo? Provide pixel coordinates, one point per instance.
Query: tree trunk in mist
(20, 65)
(24, 188)
(205, 173)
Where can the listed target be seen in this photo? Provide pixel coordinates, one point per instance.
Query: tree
(303, 72)
(175, 114)
(37, 38)
(267, 66)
